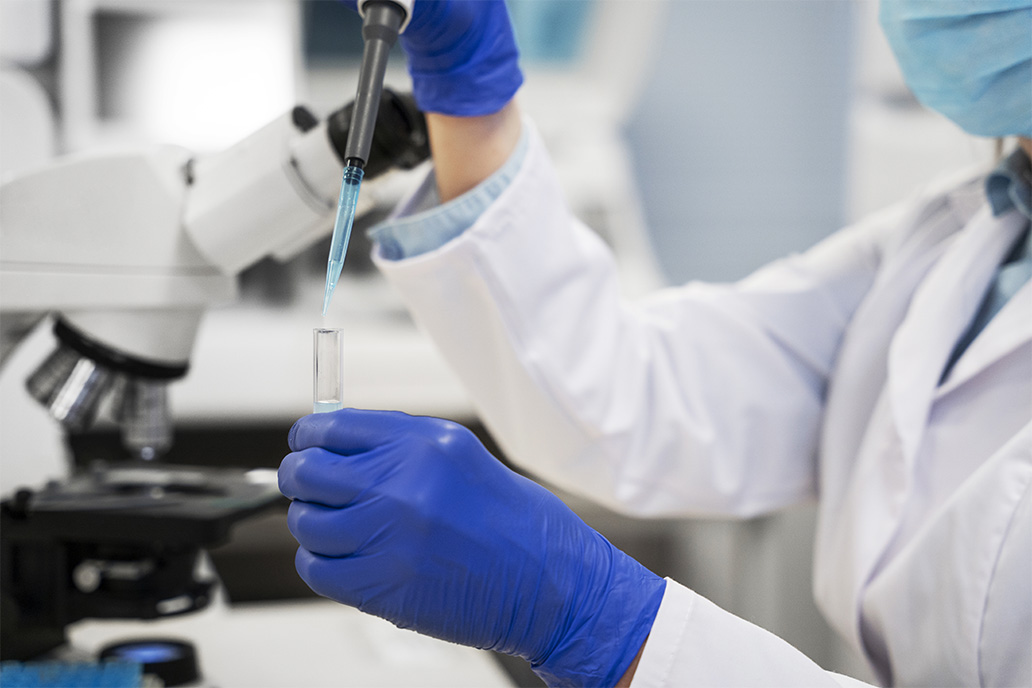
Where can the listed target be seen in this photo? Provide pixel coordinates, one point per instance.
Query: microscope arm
(161, 230)
(131, 248)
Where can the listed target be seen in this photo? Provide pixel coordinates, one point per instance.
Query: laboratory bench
(312, 643)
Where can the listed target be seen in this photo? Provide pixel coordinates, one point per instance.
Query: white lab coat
(816, 376)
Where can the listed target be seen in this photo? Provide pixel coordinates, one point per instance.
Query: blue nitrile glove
(411, 519)
(462, 56)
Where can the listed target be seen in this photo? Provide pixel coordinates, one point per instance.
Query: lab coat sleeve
(702, 399)
(696, 643)
(423, 223)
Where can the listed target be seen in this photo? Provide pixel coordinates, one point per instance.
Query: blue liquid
(342, 229)
(326, 406)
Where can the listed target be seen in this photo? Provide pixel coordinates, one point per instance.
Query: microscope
(126, 250)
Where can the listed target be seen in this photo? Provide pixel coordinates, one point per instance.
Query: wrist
(468, 150)
(608, 629)
(625, 680)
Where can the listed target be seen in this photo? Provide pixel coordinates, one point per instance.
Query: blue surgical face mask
(970, 60)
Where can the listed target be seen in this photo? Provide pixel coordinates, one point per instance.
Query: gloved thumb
(348, 431)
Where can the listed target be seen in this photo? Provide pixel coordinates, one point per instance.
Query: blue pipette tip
(331, 283)
(342, 229)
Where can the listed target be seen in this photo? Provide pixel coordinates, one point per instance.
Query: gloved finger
(354, 581)
(335, 532)
(348, 431)
(321, 476)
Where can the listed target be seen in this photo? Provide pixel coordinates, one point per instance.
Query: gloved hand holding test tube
(383, 20)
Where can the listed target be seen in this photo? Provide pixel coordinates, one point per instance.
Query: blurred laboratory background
(700, 138)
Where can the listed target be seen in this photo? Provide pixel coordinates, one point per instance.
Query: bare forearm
(467, 150)
(625, 680)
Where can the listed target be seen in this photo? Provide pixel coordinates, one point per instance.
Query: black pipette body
(380, 28)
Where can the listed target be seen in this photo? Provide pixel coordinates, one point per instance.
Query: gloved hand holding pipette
(462, 55)
(452, 74)
(411, 519)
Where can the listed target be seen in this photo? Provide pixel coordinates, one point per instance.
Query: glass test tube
(328, 370)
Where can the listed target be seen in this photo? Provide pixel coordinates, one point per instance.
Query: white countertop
(311, 644)
(254, 362)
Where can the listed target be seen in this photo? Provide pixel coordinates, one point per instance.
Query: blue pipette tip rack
(53, 674)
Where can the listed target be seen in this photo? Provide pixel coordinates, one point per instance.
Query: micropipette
(382, 21)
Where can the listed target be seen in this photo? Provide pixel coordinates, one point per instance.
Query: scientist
(887, 372)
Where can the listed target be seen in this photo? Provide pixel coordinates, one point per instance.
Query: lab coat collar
(940, 310)
(1008, 330)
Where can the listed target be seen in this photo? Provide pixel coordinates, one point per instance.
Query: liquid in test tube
(328, 370)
